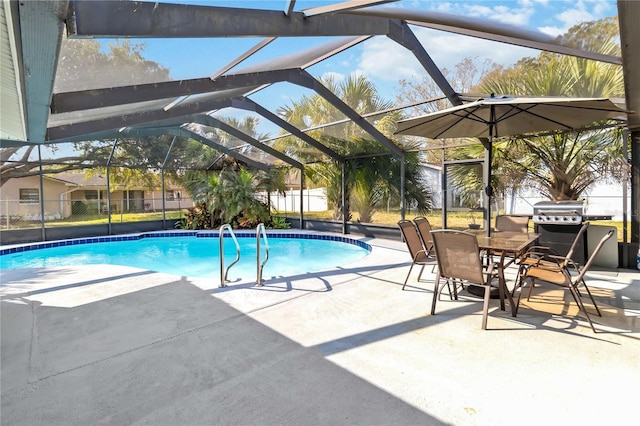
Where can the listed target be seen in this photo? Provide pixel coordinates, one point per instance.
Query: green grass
(455, 220)
(96, 219)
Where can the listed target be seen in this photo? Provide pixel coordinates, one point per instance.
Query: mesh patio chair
(561, 276)
(508, 223)
(547, 257)
(424, 230)
(419, 255)
(458, 257)
(512, 223)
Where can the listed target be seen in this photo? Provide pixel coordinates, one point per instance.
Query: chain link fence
(22, 214)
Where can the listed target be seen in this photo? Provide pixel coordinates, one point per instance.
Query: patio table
(508, 244)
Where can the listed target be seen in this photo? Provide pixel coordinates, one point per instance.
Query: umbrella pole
(486, 178)
(486, 169)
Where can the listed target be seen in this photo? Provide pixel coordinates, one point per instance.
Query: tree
(84, 64)
(464, 78)
(562, 166)
(228, 191)
(515, 163)
(228, 196)
(372, 174)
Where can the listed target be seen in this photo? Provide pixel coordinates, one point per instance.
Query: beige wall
(11, 206)
(60, 197)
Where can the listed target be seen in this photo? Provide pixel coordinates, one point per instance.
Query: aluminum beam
(250, 78)
(124, 19)
(628, 15)
(243, 56)
(210, 121)
(101, 98)
(186, 133)
(303, 78)
(304, 58)
(299, 77)
(288, 10)
(402, 34)
(482, 28)
(249, 105)
(342, 7)
(78, 128)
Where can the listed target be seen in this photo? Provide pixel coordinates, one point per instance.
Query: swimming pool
(194, 254)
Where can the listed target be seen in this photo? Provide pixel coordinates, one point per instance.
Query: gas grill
(558, 212)
(558, 223)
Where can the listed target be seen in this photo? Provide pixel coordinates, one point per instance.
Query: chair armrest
(546, 249)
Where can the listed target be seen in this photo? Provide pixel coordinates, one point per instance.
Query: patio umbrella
(493, 117)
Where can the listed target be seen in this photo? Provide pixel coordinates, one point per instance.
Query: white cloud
(385, 60)
(518, 15)
(553, 31)
(505, 15)
(604, 8)
(444, 7)
(571, 17)
(449, 49)
(335, 75)
(478, 10)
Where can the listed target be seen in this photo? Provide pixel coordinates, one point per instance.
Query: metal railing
(224, 272)
(261, 232)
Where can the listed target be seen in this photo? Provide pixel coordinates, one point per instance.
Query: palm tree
(562, 166)
(229, 192)
(372, 173)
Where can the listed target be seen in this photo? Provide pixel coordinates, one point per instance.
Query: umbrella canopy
(508, 116)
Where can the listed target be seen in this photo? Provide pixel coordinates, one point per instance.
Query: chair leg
(521, 285)
(582, 307)
(520, 278)
(437, 290)
(530, 289)
(407, 279)
(421, 271)
(485, 306)
(595, 305)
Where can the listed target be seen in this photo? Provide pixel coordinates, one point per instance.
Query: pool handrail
(261, 231)
(223, 272)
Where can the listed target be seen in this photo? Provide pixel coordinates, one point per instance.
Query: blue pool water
(196, 256)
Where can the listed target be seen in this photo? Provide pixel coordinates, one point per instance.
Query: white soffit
(12, 118)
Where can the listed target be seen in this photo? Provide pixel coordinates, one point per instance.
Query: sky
(379, 59)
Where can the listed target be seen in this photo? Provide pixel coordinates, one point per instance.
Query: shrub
(79, 208)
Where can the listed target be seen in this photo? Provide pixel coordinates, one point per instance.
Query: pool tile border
(197, 234)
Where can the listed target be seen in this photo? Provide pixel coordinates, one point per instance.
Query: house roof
(80, 179)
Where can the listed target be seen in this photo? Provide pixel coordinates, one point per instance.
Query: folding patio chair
(509, 223)
(561, 276)
(419, 255)
(549, 258)
(458, 257)
(512, 223)
(424, 230)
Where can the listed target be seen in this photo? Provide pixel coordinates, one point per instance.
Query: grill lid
(567, 212)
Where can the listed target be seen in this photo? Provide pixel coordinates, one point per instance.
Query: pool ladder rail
(261, 234)
(225, 272)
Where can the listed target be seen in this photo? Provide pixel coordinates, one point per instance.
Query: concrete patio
(112, 345)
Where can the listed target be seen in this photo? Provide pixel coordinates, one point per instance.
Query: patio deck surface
(112, 345)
